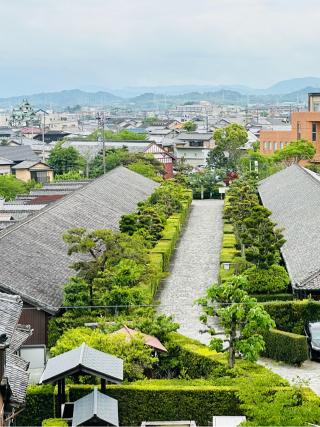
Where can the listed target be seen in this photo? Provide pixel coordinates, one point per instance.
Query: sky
(48, 45)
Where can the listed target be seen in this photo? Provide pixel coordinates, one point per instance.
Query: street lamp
(43, 130)
(100, 119)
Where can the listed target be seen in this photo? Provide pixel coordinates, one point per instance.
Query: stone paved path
(309, 371)
(194, 267)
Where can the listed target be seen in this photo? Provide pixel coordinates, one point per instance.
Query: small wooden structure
(82, 360)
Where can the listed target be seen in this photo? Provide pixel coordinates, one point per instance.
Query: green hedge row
(286, 347)
(291, 316)
(273, 297)
(197, 359)
(151, 402)
(40, 404)
(54, 422)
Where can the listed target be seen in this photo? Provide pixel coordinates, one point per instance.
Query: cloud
(111, 43)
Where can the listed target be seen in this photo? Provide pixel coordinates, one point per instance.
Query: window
(196, 144)
(270, 147)
(275, 146)
(265, 145)
(41, 176)
(281, 145)
(298, 130)
(314, 132)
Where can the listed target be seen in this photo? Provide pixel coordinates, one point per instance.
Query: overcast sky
(48, 45)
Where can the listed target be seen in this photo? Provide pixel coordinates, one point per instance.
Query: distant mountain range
(294, 90)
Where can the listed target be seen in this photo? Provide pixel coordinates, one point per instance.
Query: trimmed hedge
(228, 254)
(197, 359)
(226, 274)
(228, 228)
(40, 404)
(229, 241)
(272, 297)
(150, 401)
(291, 316)
(286, 347)
(54, 422)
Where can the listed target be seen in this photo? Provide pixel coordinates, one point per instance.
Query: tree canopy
(295, 152)
(243, 320)
(65, 159)
(10, 186)
(189, 126)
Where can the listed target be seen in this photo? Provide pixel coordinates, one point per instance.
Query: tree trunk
(201, 192)
(232, 351)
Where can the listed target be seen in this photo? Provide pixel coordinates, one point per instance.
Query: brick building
(304, 125)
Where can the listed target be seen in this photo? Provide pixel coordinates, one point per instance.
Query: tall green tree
(65, 159)
(229, 140)
(243, 320)
(189, 126)
(295, 152)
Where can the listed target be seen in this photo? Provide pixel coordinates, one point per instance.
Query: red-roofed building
(149, 340)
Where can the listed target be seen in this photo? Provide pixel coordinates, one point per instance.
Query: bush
(291, 316)
(228, 229)
(39, 406)
(285, 347)
(165, 248)
(228, 255)
(226, 274)
(151, 401)
(272, 297)
(229, 241)
(197, 359)
(274, 279)
(54, 422)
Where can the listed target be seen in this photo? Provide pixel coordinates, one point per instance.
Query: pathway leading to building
(194, 267)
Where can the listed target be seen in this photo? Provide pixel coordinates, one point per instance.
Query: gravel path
(309, 371)
(194, 267)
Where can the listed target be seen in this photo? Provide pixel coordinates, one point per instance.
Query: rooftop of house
(293, 196)
(18, 153)
(44, 265)
(195, 136)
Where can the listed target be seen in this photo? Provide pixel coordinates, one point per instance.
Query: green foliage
(291, 316)
(69, 176)
(229, 139)
(203, 182)
(243, 320)
(189, 126)
(291, 406)
(228, 255)
(272, 280)
(65, 159)
(285, 346)
(39, 406)
(10, 187)
(143, 168)
(76, 293)
(273, 297)
(136, 356)
(54, 422)
(122, 135)
(295, 152)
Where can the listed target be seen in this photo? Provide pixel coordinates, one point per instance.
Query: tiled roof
(293, 196)
(18, 154)
(86, 360)
(44, 266)
(5, 162)
(197, 136)
(149, 340)
(95, 406)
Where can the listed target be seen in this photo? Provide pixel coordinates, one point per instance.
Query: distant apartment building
(304, 125)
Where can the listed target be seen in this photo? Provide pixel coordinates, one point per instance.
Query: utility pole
(43, 131)
(100, 119)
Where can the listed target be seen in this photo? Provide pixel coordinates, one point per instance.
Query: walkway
(194, 267)
(309, 371)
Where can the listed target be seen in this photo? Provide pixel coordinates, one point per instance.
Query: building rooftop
(195, 136)
(18, 153)
(293, 196)
(44, 266)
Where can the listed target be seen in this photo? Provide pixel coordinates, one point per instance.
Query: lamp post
(100, 119)
(43, 130)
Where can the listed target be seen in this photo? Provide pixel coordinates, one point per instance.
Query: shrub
(274, 279)
(150, 401)
(228, 254)
(291, 316)
(39, 406)
(226, 274)
(273, 297)
(54, 422)
(165, 248)
(228, 229)
(285, 346)
(229, 241)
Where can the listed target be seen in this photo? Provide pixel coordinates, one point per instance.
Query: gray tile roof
(15, 367)
(186, 136)
(33, 257)
(18, 153)
(28, 164)
(86, 360)
(98, 406)
(4, 161)
(293, 196)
